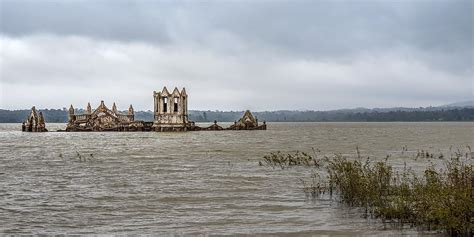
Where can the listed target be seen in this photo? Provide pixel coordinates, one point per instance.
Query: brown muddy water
(205, 182)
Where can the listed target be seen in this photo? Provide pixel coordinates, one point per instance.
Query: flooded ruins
(34, 122)
(170, 115)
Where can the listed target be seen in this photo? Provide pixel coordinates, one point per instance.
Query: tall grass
(279, 159)
(438, 199)
(435, 199)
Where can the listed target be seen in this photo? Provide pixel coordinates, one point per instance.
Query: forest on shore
(347, 115)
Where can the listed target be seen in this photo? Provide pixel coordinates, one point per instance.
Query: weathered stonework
(34, 122)
(171, 111)
(248, 122)
(170, 114)
(103, 119)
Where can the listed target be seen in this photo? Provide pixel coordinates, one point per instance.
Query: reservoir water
(206, 182)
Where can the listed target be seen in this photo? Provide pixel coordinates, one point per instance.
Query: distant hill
(462, 104)
(448, 113)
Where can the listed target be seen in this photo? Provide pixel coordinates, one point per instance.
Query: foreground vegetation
(435, 199)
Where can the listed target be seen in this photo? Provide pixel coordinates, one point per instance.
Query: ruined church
(170, 114)
(102, 119)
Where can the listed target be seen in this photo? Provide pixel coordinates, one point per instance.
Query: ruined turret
(102, 106)
(71, 118)
(131, 114)
(114, 108)
(89, 109)
(41, 124)
(34, 122)
(71, 114)
(171, 110)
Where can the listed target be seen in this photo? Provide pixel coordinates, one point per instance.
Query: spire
(89, 109)
(102, 106)
(71, 109)
(130, 110)
(41, 119)
(176, 92)
(71, 116)
(34, 114)
(114, 108)
(165, 91)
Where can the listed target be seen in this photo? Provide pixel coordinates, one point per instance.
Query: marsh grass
(433, 199)
(279, 159)
(79, 157)
(315, 186)
(438, 199)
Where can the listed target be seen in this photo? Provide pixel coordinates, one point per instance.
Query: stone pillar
(114, 109)
(71, 114)
(154, 104)
(89, 109)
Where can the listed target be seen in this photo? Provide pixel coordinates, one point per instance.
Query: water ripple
(192, 183)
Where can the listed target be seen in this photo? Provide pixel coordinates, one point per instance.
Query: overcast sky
(236, 55)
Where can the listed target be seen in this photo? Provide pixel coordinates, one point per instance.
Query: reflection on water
(194, 182)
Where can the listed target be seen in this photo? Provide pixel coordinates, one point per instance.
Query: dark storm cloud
(339, 30)
(312, 29)
(117, 20)
(258, 55)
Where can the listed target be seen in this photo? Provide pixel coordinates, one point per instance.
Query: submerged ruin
(171, 111)
(103, 119)
(248, 122)
(170, 114)
(34, 122)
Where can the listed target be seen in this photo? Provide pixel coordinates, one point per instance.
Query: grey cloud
(341, 30)
(117, 20)
(55, 69)
(253, 54)
(314, 29)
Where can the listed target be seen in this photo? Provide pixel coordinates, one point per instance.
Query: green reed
(278, 159)
(435, 199)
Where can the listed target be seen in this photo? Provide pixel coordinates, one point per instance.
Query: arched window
(165, 104)
(175, 107)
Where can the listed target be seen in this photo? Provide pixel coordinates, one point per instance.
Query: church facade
(102, 119)
(171, 110)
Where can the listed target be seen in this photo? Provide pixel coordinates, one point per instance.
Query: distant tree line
(458, 114)
(18, 116)
(449, 114)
